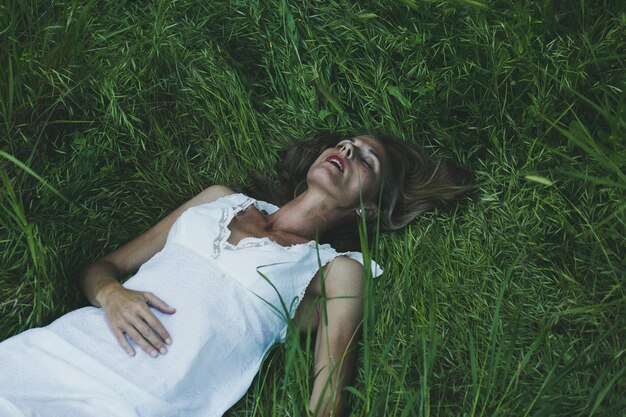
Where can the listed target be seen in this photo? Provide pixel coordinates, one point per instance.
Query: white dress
(232, 304)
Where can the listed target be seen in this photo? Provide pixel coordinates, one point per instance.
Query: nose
(347, 149)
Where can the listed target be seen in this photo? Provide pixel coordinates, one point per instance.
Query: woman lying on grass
(215, 284)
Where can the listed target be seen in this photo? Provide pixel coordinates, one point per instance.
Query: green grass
(111, 115)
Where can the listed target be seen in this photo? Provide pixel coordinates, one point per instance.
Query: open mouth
(337, 161)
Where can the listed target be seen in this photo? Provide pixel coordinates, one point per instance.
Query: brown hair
(412, 184)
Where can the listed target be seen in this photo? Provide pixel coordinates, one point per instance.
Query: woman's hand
(128, 312)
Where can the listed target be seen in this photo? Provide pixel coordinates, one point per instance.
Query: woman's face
(354, 167)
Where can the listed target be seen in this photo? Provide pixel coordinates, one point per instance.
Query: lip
(337, 161)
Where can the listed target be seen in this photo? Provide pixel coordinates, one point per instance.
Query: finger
(156, 325)
(121, 339)
(148, 334)
(141, 341)
(159, 304)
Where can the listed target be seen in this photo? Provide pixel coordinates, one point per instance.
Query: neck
(309, 216)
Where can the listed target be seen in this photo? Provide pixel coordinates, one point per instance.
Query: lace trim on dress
(228, 213)
(222, 232)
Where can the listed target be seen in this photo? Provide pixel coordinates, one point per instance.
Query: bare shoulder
(342, 276)
(212, 193)
(344, 265)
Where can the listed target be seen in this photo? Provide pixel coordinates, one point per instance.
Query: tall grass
(113, 114)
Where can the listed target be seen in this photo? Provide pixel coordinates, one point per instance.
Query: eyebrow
(371, 151)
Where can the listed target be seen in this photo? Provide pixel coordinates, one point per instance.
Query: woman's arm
(128, 311)
(337, 336)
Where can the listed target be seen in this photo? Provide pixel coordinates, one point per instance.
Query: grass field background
(113, 113)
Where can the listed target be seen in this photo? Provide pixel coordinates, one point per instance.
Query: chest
(251, 223)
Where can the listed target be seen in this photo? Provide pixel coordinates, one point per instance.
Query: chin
(324, 180)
